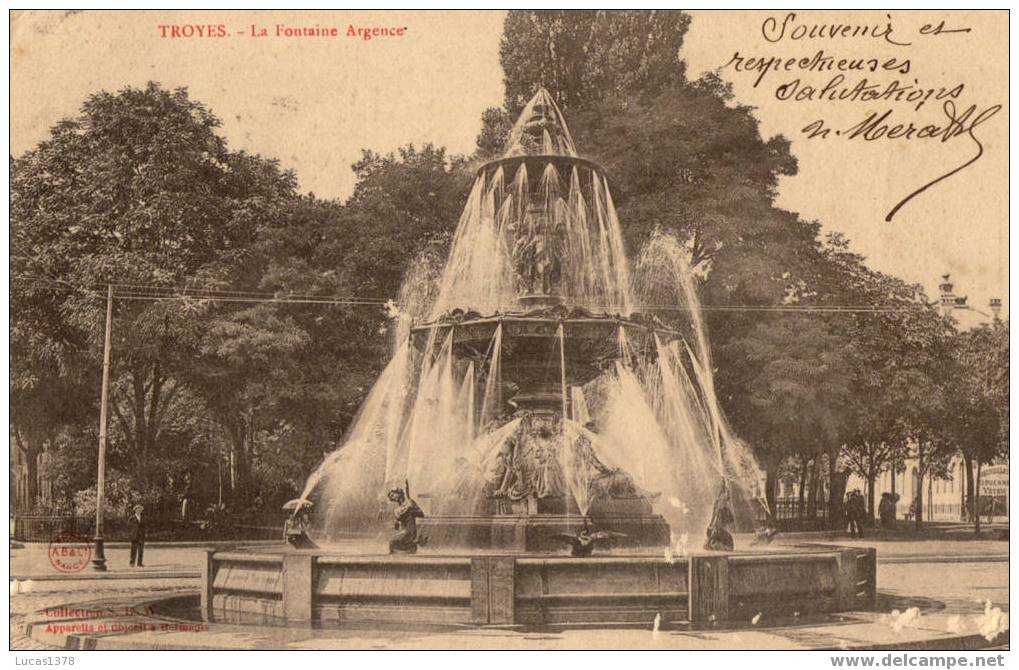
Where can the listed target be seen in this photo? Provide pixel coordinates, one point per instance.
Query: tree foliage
(582, 55)
(141, 191)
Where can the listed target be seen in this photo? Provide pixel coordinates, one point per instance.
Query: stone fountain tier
(531, 340)
(540, 532)
(536, 163)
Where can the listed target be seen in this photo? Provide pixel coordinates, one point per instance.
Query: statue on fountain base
(719, 535)
(407, 540)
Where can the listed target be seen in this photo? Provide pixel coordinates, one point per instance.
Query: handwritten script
(817, 65)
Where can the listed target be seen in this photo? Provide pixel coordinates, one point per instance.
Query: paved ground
(948, 579)
(31, 560)
(955, 540)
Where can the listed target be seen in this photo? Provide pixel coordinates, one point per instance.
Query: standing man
(137, 536)
(856, 511)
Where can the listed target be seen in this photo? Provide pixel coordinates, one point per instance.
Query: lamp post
(98, 556)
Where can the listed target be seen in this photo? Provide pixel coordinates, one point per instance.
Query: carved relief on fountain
(533, 470)
(538, 250)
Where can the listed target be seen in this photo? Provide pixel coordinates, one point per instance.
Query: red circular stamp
(69, 552)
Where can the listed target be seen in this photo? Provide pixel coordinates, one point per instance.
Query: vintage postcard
(510, 330)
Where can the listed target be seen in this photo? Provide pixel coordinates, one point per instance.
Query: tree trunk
(919, 485)
(832, 503)
(770, 488)
(968, 503)
(803, 484)
(140, 419)
(219, 473)
(139, 429)
(30, 451)
(815, 484)
(871, 478)
(976, 501)
(240, 464)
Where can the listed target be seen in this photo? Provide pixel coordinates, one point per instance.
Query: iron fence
(790, 508)
(44, 528)
(788, 515)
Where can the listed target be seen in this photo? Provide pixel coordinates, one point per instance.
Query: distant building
(943, 499)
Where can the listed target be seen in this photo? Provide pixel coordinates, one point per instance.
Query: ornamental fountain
(530, 395)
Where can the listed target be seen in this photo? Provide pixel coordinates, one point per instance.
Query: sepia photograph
(527, 329)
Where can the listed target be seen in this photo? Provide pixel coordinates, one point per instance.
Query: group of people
(886, 509)
(856, 513)
(857, 516)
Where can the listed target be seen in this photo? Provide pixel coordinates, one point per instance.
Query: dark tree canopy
(581, 56)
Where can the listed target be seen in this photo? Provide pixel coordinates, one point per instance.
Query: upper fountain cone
(540, 130)
(539, 230)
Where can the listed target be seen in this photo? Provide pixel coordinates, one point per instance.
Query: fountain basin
(536, 590)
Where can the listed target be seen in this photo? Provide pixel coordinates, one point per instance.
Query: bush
(121, 495)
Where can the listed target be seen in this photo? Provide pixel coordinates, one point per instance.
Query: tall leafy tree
(295, 373)
(892, 328)
(795, 371)
(137, 190)
(402, 202)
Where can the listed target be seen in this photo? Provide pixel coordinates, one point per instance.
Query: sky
(315, 102)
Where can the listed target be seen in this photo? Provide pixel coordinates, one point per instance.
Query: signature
(881, 126)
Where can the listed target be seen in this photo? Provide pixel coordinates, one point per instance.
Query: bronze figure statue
(407, 540)
(582, 544)
(719, 530)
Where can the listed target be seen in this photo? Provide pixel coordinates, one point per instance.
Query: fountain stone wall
(500, 590)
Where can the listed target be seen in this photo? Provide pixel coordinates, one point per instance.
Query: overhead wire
(136, 291)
